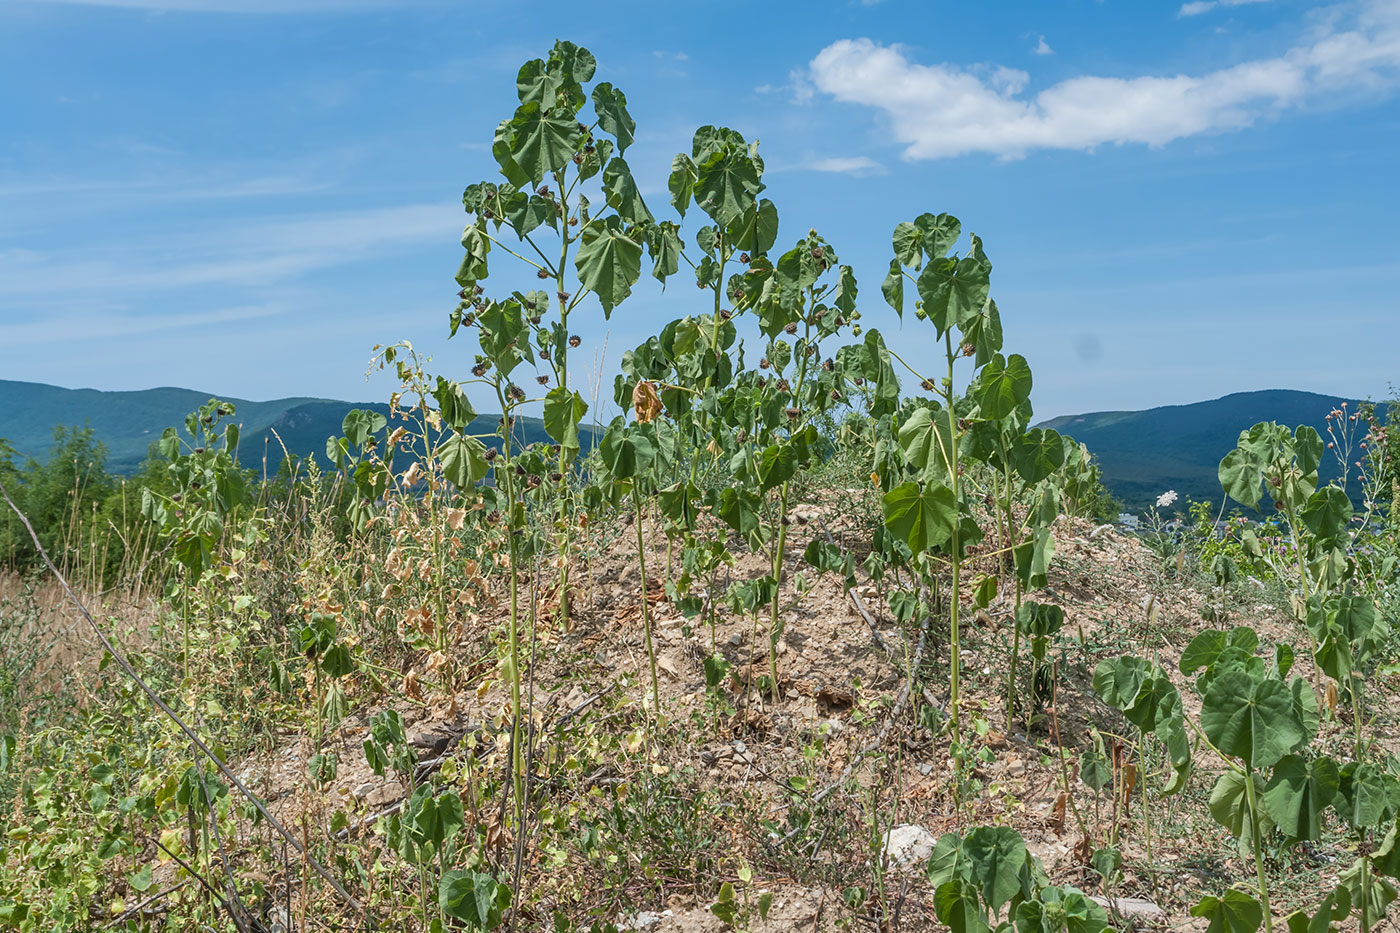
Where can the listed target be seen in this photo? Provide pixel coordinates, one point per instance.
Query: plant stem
(517, 753)
(646, 613)
(954, 652)
(1258, 855)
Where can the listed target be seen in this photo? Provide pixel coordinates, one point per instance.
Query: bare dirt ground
(840, 677)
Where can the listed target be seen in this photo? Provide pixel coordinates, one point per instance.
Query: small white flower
(1166, 498)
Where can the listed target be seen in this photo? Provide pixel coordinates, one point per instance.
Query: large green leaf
(926, 439)
(502, 326)
(1235, 912)
(1251, 718)
(893, 287)
(473, 897)
(456, 409)
(954, 290)
(360, 424)
(1206, 647)
(923, 516)
(1308, 448)
(738, 508)
(1003, 385)
(525, 212)
(611, 106)
(956, 904)
(1229, 805)
(664, 245)
(1240, 476)
(563, 410)
(1032, 558)
(946, 861)
(463, 460)
(776, 465)
(1298, 792)
(1364, 799)
(542, 143)
(626, 452)
(939, 233)
(1119, 682)
(756, 230)
(681, 182)
(908, 241)
(726, 185)
(996, 858)
(622, 195)
(983, 333)
(1037, 454)
(609, 262)
(1327, 513)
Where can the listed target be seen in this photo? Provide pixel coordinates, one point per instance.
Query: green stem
(1258, 855)
(517, 753)
(1146, 813)
(646, 613)
(1016, 617)
(774, 632)
(954, 648)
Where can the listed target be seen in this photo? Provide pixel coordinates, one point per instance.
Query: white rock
(647, 919)
(1132, 907)
(908, 845)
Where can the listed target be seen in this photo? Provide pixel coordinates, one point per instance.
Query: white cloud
(846, 165)
(65, 328)
(1043, 48)
(946, 110)
(233, 6)
(258, 253)
(1197, 7)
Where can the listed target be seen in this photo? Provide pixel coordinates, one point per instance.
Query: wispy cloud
(255, 254)
(1197, 7)
(946, 110)
(89, 325)
(1043, 48)
(845, 165)
(233, 6)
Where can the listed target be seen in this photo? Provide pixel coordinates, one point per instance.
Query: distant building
(1128, 520)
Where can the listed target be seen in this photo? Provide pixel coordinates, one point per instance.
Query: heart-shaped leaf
(922, 516)
(1251, 718)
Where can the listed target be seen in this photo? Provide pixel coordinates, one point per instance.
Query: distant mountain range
(1145, 453)
(129, 422)
(1142, 453)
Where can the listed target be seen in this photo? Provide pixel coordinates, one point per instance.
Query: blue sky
(243, 196)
